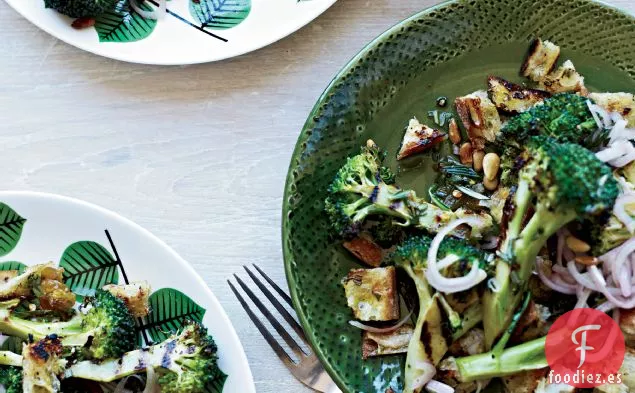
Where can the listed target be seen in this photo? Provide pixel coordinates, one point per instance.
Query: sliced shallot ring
(374, 329)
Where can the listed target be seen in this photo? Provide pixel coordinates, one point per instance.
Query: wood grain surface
(198, 154)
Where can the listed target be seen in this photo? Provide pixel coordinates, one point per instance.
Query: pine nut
(454, 132)
(465, 153)
(477, 158)
(490, 185)
(587, 260)
(577, 245)
(491, 164)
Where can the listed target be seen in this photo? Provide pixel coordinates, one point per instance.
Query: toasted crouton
(513, 98)
(372, 293)
(447, 372)
(622, 103)
(134, 295)
(541, 59)
(627, 324)
(524, 382)
(419, 138)
(471, 343)
(627, 372)
(564, 80)
(532, 324)
(377, 344)
(545, 387)
(365, 250)
(479, 117)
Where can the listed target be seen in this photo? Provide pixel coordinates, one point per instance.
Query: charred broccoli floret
(80, 8)
(559, 183)
(430, 347)
(105, 330)
(359, 191)
(564, 117)
(184, 363)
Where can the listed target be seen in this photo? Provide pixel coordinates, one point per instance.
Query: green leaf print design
(11, 224)
(88, 266)
(123, 24)
(220, 14)
(12, 265)
(171, 309)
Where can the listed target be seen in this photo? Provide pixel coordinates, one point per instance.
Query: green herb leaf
(220, 14)
(87, 267)
(171, 309)
(216, 386)
(11, 224)
(123, 24)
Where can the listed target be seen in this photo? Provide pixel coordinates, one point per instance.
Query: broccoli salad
(61, 346)
(532, 214)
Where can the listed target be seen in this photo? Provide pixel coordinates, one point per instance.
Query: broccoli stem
(470, 318)
(24, 328)
(133, 362)
(8, 358)
(524, 248)
(429, 315)
(527, 356)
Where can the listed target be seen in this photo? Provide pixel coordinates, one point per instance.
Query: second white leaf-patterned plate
(193, 31)
(96, 247)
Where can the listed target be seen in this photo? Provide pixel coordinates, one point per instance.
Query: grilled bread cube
(377, 344)
(419, 138)
(471, 343)
(532, 324)
(479, 117)
(365, 250)
(627, 324)
(628, 376)
(512, 98)
(545, 387)
(372, 293)
(540, 60)
(447, 372)
(41, 365)
(622, 103)
(564, 80)
(524, 382)
(135, 295)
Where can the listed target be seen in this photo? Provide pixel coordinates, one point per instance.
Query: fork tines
(275, 323)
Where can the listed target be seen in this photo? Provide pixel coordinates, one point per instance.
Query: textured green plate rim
(329, 112)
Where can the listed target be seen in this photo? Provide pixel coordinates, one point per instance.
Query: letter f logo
(582, 344)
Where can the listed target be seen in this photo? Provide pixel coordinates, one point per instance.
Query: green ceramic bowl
(447, 50)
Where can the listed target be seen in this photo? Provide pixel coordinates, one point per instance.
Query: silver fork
(308, 368)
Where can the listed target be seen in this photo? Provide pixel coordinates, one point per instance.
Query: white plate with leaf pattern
(96, 246)
(193, 31)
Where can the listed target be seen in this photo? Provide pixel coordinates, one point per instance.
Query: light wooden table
(198, 155)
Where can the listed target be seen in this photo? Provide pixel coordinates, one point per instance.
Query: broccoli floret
(359, 191)
(184, 363)
(105, 330)
(564, 117)
(11, 379)
(430, 347)
(559, 183)
(80, 8)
